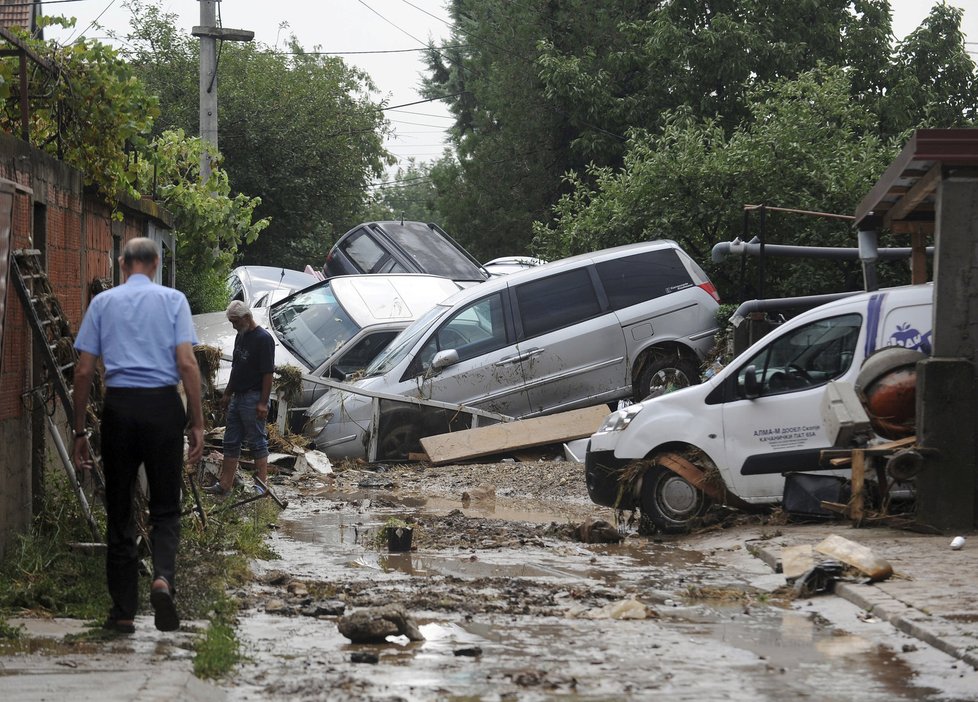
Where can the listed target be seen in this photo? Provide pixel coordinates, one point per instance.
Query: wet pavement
(512, 607)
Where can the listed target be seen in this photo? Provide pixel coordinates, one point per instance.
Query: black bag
(804, 493)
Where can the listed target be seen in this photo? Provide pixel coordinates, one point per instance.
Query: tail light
(711, 289)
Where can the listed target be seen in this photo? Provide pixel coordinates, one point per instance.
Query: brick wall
(78, 247)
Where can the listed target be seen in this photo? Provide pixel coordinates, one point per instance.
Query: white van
(581, 331)
(758, 418)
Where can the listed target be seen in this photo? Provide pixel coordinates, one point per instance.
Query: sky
(376, 26)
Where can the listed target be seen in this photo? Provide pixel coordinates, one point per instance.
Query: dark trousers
(141, 426)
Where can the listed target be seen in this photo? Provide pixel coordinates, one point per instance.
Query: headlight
(316, 424)
(617, 421)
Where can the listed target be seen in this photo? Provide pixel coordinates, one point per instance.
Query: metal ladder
(55, 341)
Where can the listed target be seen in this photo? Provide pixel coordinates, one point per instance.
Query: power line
(92, 23)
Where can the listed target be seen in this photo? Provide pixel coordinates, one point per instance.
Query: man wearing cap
(246, 398)
(145, 336)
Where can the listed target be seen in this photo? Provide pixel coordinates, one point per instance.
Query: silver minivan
(581, 331)
(334, 328)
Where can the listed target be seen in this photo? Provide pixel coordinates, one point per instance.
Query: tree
(411, 195)
(297, 129)
(98, 118)
(805, 145)
(541, 89)
(209, 223)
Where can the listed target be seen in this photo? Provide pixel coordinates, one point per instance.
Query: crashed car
(738, 434)
(402, 247)
(578, 332)
(259, 286)
(332, 329)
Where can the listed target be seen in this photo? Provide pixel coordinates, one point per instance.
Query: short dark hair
(140, 249)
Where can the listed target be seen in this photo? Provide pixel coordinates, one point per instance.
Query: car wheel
(669, 502)
(664, 374)
(400, 438)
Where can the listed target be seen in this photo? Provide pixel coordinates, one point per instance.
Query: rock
(472, 651)
(598, 532)
(364, 657)
(375, 624)
(328, 608)
(276, 606)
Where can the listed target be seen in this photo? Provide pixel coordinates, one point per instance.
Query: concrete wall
(73, 227)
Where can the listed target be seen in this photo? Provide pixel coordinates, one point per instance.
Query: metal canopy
(903, 199)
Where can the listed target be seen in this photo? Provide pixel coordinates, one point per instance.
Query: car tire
(401, 438)
(669, 502)
(664, 373)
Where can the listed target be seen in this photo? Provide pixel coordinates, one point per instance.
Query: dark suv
(402, 247)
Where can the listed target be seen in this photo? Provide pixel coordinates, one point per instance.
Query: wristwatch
(80, 434)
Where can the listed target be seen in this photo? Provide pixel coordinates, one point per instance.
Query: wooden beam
(513, 436)
(918, 191)
(911, 226)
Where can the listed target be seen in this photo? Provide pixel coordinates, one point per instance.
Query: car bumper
(602, 473)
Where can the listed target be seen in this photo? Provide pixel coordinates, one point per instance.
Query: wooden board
(796, 561)
(512, 436)
(858, 556)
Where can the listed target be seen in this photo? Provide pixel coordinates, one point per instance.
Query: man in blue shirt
(246, 398)
(145, 336)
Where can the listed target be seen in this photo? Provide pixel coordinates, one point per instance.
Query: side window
(235, 288)
(645, 276)
(808, 356)
(474, 330)
(557, 301)
(363, 251)
(363, 352)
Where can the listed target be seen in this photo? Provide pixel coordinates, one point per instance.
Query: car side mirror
(752, 388)
(444, 359)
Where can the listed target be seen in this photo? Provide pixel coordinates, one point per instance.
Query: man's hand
(261, 409)
(225, 401)
(80, 455)
(195, 451)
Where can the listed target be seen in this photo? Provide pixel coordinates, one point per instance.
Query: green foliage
(411, 196)
(209, 223)
(217, 649)
(89, 109)
(296, 129)
(806, 145)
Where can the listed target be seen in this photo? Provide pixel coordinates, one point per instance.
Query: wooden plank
(513, 436)
(858, 556)
(796, 560)
(858, 480)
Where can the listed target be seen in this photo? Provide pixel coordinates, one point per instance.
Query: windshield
(404, 342)
(312, 325)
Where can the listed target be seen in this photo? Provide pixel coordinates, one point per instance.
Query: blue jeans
(242, 424)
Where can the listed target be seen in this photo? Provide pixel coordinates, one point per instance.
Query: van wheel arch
(402, 435)
(663, 366)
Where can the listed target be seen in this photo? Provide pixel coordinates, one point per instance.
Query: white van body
(754, 440)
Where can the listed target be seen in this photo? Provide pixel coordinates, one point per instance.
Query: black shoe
(161, 597)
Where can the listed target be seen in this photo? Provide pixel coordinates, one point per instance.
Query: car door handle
(517, 358)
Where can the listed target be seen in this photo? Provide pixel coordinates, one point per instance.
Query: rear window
(363, 251)
(557, 301)
(634, 279)
(434, 253)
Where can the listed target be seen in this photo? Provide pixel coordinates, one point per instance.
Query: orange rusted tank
(887, 387)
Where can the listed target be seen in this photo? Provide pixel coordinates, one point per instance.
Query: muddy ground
(513, 605)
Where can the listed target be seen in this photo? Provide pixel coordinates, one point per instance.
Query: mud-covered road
(513, 606)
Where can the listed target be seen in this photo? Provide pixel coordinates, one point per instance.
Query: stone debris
(375, 624)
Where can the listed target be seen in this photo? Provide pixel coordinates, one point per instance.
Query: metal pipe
(752, 248)
(787, 303)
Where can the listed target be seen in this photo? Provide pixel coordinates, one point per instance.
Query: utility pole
(209, 34)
